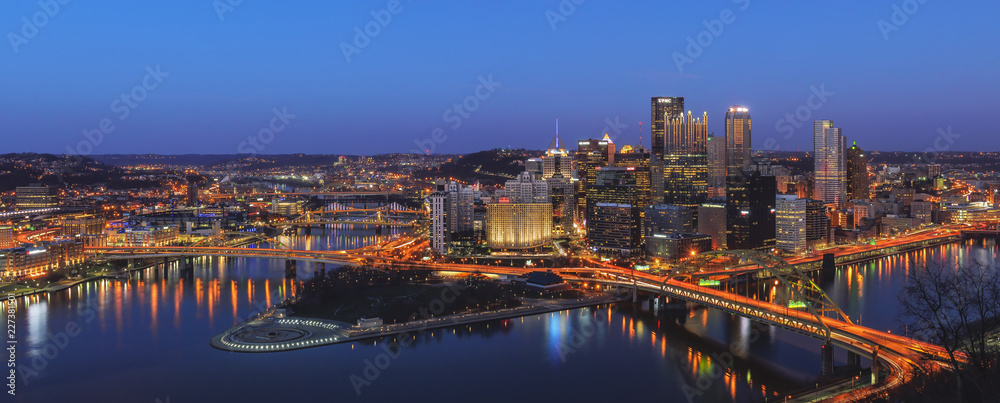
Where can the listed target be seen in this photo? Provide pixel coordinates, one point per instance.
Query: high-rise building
(830, 172)
(737, 140)
(750, 212)
(817, 222)
(590, 154)
(518, 226)
(557, 171)
(452, 216)
(663, 110)
(712, 222)
(790, 223)
(36, 196)
(615, 185)
(637, 160)
(685, 161)
(192, 194)
(614, 228)
(716, 162)
(858, 186)
(557, 161)
(668, 219)
(527, 188)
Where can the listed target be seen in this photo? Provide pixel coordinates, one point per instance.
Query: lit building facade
(36, 196)
(790, 223)
(829, 168)
(518, 226)
(685, 161)
(17, 264)
(152, 236)
(712, 222)
(614, 228)
(737, 140)
(676, 247)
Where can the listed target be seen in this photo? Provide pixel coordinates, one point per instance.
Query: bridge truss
(799, 285)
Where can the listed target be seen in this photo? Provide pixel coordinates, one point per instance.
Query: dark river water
(147, 340)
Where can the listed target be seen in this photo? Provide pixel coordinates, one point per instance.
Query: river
(147, 340)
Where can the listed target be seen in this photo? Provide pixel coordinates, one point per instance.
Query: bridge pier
(829, 262)
(290, 268)
(853, 360)
(875, 365)
(826, 359)
(130, 262)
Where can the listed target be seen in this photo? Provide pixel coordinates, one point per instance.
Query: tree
(958, 308)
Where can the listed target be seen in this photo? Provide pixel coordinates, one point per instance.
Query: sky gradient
(223, 77)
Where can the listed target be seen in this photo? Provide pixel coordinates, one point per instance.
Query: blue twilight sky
(594, 66)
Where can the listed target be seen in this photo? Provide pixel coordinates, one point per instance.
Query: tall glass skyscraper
(664, 109)
(737, 140)
(830, 169)
(685, 161)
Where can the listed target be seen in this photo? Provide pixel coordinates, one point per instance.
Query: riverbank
(272, 334)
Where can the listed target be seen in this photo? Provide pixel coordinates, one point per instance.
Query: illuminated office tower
(638, 160)
(527, 188)
(452, 216)
(615, 185)
(790, 223)
(36, 196)
(750, 212)
(716, 162)
(614, 228)
(828, 152)
(857, 174)
(817, 222)
(664, 109)
(590, 155)
(557, 161)
(737, 140)
(557, 170)
(685, 161)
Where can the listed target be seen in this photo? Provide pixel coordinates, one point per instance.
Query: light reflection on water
(157, 327)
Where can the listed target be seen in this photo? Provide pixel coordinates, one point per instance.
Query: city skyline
(360, 103)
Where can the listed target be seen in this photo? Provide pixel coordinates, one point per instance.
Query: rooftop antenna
(640, 134)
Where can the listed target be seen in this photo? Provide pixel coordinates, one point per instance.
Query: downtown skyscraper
(663, 110)
(737, 140)
(685, 161)
(829, 168)
(858, 185)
